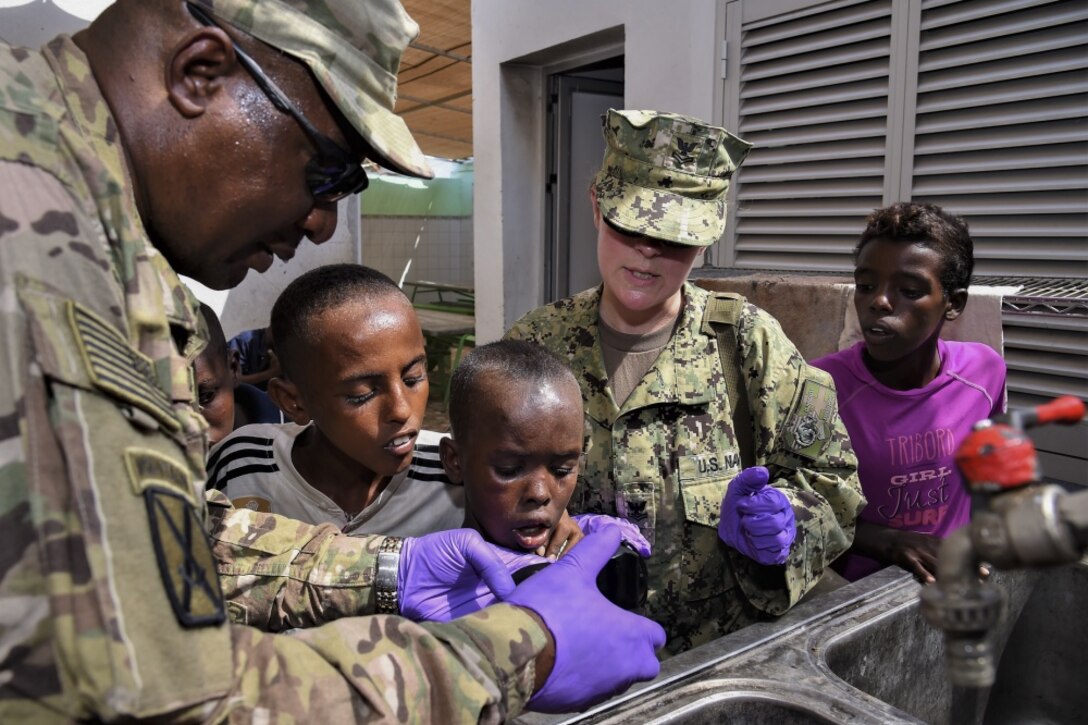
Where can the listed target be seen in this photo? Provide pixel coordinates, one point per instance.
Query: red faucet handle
(997, 458)
(1066, 410)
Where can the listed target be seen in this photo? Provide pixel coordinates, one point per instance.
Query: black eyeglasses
(330, 175)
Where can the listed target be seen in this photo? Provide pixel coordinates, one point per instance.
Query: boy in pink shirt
(907, 397)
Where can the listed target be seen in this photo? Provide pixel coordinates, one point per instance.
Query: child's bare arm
(915, 552)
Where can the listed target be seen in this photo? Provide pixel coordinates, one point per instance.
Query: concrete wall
(421, 230)
(434, 249)
(33, 22)
(671, 63)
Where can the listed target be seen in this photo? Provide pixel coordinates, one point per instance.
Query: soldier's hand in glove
(449, 574)
(600, 649)
(757, 519)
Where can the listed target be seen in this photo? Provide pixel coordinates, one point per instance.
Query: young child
(257, 362)
(907, 397)
(215, 378)
(225, 402)
(354, 386)
(516, 422)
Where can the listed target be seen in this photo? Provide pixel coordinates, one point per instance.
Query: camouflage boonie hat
(666, 176)
(353, 47)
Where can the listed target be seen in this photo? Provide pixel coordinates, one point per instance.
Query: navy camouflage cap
(666, 176)
(353, 47)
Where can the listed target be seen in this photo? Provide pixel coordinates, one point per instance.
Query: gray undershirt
(628, 357)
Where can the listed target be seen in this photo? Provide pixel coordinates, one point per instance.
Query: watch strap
(385, 583)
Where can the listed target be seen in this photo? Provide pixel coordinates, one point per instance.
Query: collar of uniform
(686, 376)
(600, 405)
(154, 297)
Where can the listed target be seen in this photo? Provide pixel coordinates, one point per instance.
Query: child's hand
(592, 523)
(917, 553)
(565, 535)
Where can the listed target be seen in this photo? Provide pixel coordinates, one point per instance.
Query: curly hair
(930, 226)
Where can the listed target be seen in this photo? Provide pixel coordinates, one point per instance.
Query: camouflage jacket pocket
(636, 501)
(703, 481)
(702, 562)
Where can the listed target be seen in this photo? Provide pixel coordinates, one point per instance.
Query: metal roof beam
(444, 53)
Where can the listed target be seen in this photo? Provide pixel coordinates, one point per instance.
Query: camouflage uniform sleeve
(564, 326)
(479, 668)
(803, 442)
(523, 329)
(94, 634)
(278, 573)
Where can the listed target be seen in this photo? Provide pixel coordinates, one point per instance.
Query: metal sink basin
(742, 707)
(713, 701)
(897, 658)
(864, 654)
(1043, 675)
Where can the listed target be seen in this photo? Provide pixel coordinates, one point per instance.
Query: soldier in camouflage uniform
(140, 147)
(662, 452)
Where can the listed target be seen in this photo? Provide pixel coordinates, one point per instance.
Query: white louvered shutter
(1001, 130)
(812, 94)
(980, 106)
(1001, 137)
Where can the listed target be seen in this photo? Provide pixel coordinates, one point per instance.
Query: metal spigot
(1016, 523)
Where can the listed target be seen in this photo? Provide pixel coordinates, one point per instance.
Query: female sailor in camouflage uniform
(658, 360)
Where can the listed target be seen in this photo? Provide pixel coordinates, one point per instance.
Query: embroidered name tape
(708, 465)
(147, 468)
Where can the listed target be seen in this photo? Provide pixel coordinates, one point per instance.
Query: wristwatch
(385, 584)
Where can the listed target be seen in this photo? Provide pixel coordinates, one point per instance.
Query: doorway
(577, 99)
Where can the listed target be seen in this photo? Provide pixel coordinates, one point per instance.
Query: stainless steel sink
(742, 700)
(1042, 675)
(864, 654)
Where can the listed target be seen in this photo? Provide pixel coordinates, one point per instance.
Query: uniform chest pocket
(703, 481)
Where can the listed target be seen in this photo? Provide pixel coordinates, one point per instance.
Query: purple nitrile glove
(591, 523)
(757, 519)
(449, 574)
(588, 629)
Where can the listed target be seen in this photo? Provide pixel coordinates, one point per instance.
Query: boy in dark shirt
(225, 402)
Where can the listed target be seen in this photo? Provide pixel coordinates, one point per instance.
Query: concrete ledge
(811, 309)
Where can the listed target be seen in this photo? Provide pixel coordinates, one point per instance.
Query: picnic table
(439, 322)
(441, 296)
(447, 334)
